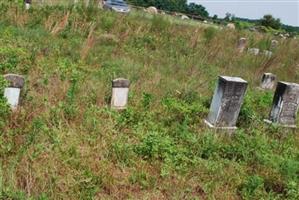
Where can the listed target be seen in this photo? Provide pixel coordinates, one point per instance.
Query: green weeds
(66, 143)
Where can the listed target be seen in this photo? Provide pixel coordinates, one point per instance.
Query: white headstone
(152, 10)
(184, 17)
(231, 26)
(27, 6)
(13, 97)
(120, 92)
(226, 103)
(13, 91)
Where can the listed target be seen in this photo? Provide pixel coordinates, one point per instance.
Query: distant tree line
(173, 5)
(182, 6)
(270, 21)
(267, 21)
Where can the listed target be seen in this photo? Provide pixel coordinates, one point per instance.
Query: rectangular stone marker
(285, 104)
(13, 91)
(226, 104)
(120, 92)
(268, 81)
(13, 96)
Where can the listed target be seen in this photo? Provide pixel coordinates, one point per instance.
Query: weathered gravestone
(226, 104)
(231, 26)
(13, 91)
(27, 4)
(268, 81)
(254, 51)
(285, 105)
(120, 92)
(274, 44)
(242, 43)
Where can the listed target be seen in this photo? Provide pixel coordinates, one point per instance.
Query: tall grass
(66, 143)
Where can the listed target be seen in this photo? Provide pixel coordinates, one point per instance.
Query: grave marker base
(217, 127)
(280, 125)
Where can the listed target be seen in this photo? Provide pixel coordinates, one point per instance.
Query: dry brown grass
(66, 157)
(59, 26)
(90, 41)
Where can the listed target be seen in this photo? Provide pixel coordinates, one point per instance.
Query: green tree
(170, 5)
(196, 9)
(228, 16)
(173, 5)
(270, 21)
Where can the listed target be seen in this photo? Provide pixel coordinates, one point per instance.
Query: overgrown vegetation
(66, 143)
(270, 21)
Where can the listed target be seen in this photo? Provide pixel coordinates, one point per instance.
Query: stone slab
(13, 96)
(119, 98)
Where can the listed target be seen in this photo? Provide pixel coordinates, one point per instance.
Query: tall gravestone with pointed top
(120, 92)
(13, 91)
(226, 104)
(285, 104)
(268, 81)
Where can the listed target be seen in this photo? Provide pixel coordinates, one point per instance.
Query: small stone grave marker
(274, 44)
(27, 4)
(120, 92)
(13, 91)
(242, 45)
(268, 81)
(254, 51)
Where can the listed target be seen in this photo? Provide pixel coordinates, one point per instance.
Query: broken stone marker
(268, 81)
(242, 45)
(267, 53)
(13, 91)
(120, 92)
(226, 104)
(254, 51)
(285, 105)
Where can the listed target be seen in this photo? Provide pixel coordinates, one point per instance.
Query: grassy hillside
(66, 143)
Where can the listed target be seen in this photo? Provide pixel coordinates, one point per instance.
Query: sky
(286, 10)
